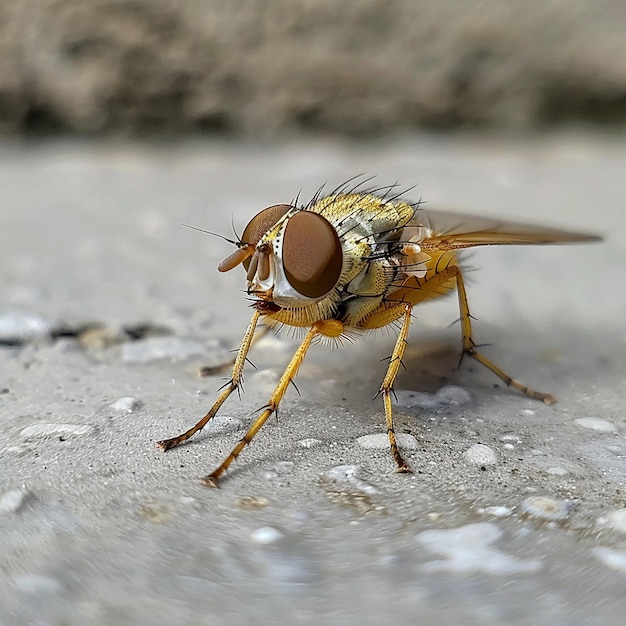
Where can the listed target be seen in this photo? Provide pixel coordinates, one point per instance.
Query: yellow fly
(355, 261)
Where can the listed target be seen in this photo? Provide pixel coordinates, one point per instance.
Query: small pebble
(480, 454)
(37, 584)
(18, 450)
(280, 470)
(126, 404)
(346, 476)
(468, 549)
(284, 467)
(447, 397)
(596, 423)
(223, 424)
(557, 471)
(453, 395)
(381, 441)
(274, 343)
(156, 348)
(616, 520)
(547, 508)
(100, 337)
(509, 437)
(50, 430)
(309, 443)
(615, 559)
(11, 501)
(22, 326)
(498, 511)
(266, 535)
(156, 513)
(252, 503)
(264, 381)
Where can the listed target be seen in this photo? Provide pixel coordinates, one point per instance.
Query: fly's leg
(469, 347)
(217, 369)
(235, 381)
(386, 388)
(288, 375)
(392, 310)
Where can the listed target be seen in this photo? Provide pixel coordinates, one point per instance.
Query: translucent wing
(446, 230)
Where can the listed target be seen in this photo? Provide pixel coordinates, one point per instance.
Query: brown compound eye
(260, 224)
(312, 255)
(256, 228)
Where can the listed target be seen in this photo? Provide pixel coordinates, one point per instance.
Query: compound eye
(312, 255)
(255, 229)
(260, 224)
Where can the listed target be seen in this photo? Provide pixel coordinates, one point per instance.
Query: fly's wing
(445, 230)
(440, 234)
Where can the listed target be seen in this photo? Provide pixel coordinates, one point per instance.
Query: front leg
(235, 381)
(287, 377)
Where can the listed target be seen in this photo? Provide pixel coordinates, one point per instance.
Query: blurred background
(260, 68)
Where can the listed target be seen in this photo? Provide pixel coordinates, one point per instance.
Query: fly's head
(293, 257)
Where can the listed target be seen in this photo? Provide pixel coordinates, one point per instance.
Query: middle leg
(386, 388)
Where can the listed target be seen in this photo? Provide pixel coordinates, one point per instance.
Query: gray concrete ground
(516, 511)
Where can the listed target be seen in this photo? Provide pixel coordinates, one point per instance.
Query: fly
(351, 262)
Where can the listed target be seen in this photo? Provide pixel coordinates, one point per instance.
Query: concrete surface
(263, 68)
(515, 512)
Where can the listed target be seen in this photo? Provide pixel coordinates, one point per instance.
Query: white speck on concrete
(615, 559)
(596, 423)
(156, 348)
(508, 446)
(126, 405)
(498, 511)
(264, 381)
(11, 501)
(480, 454)
(616, 520)
(467, 549)
(284, 467)
(380, 441)
(266, 535)
(50, 430)
(557, 471)
(223, 424)
(453, 395)
(275, 344)
(21, 326)
(346, 476)
(512, 438)
(447, 397)
(547, 508)
(17, 450)
(37, 584)
(309, 443)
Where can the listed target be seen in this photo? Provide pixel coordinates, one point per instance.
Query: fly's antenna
(237, 243)
(232, 225)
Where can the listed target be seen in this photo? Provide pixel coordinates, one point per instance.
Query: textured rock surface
(264, 67)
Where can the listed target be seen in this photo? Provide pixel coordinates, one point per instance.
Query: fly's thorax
(365, 215)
